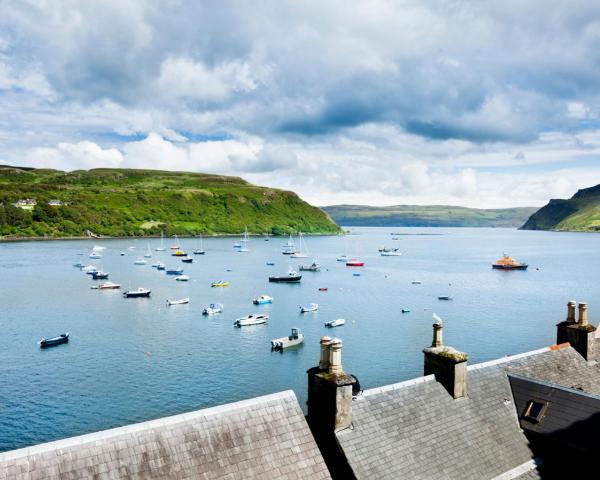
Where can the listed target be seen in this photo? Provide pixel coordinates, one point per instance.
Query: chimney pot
(571, 311)
(324, 360)
(335, 356)
(437, 335)
(583, 317)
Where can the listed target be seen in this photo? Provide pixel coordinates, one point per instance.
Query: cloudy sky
(477, 103)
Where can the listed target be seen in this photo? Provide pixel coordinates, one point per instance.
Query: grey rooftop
(265, 437)
(416, 430)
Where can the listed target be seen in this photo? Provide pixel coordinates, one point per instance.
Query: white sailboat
(300, 253)
(148, 254)
(162, 243)
(200, 250)
(289, 247)
(244, 241)
(176, 246)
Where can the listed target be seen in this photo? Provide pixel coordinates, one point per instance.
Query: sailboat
(300, 253)
(162, 243)
(244, 241)
(344, 257)
(176, 246)
(148, 254)
(289, 247)
(200, 251)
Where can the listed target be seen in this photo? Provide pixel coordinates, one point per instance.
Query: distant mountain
(126, 202)
(427, 216)
(581, 213)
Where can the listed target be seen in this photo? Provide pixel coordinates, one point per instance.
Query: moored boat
(509, 263)
(140, 261)
(95, 255)
(220, 283)
(179, 253)
(416, 282)
(342, 258)
(262, 300)
(311, 307)
(140, 292)
(161, 266)
(181, 301)
(355, 263)
(323, 289)
(292, 340)
(313, 267)
(53, 341)
(109, 286)
(252, 319)
(213, 309)
(182, 278)
(335, 323)
(174, 271)
(89, 269)
(444, 297)
(99, 275)
(405, 310)
(391, 253)
(162, 243)
(187, 260)
(291, 277)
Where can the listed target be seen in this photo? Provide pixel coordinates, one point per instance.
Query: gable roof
(415, 429)
(265, 437)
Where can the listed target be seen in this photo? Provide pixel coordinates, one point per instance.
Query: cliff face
(580, 213)
(124, 202)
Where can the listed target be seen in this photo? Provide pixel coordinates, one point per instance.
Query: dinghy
(99, 275)
(140, 261)
(311, 307)
(109, 286)
(181, 301)
(53, 341)
(182, 278)
(213, 309)
(220, 283)
(262, 300)
(140, 292)
(174, 271)
(187, 260)
(335, 323)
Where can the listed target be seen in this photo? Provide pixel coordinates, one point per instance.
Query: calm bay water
(130, 360)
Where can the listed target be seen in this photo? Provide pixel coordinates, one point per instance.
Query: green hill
(581, 213)
(427, 216)
(123, 202)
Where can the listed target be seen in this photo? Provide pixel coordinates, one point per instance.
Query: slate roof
(416, 430)
(266, 437)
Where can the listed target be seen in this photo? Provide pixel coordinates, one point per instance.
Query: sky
(478, 103)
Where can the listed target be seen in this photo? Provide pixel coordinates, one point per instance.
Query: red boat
(322, 289)
(355, 263)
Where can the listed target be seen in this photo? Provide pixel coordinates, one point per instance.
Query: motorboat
(182, 278)
(53, 341)
(444, 297)
(155, 265)
(405, 310)
(140, 261)
(262, 300)
(99, 275)
(89, 269)
(509, 263)
(291, 277)
(187, 260)
(355, 263)
(292, 340)
(181, 301)
(220, 283)
(179, 253)
(313, 267)
(109, 286)
(323, 289)
(140, 292)
(416, 282)
(95, 255)
(342, 258)
(122, 254)
(213, 309)
(252, 319)
(311, 307)
(391, 253)
(270, 263)
(335, 323)
(174, 271)
(161, 266)
(237, 245)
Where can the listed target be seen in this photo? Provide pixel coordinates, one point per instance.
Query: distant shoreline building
(530, 416)
(26, 204)
(55, 203)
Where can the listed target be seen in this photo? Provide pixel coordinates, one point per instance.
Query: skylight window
(535, 411)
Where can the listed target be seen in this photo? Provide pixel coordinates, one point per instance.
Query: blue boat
(53, 341)
(99, 275)
(161, 266)
(175, 271)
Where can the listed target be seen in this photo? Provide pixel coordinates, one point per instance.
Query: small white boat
(109, 286)
(251, 319)
(213, 309)
(98, 248)
(335, 323)
(243, 248)
(342, 258)
(122, 254)
(311, 307)
(296, 338)
(314, 267)
(181, 301)
(298, 255)
(131, 248)
(95, 255)
(237, 245)
(140, 261)
(262, 300)
(182, 278)
(89, 269)
(391, 253)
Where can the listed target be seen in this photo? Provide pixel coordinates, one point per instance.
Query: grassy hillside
(121, 202)
(580, 213)
(427, 216)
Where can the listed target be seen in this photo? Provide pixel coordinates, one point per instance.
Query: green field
(580, 213)
(123, 202)
(427, 216)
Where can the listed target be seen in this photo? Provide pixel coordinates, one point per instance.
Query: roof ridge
(509, 358)
(146, 425)
(396, 386)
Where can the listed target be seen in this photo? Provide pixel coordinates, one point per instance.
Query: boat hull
(136, 294)
(509, 267)
(287, 279)
(54, 341)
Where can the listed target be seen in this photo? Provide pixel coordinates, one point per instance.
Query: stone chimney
(329, 391)
(447, 364)
(580, 334)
